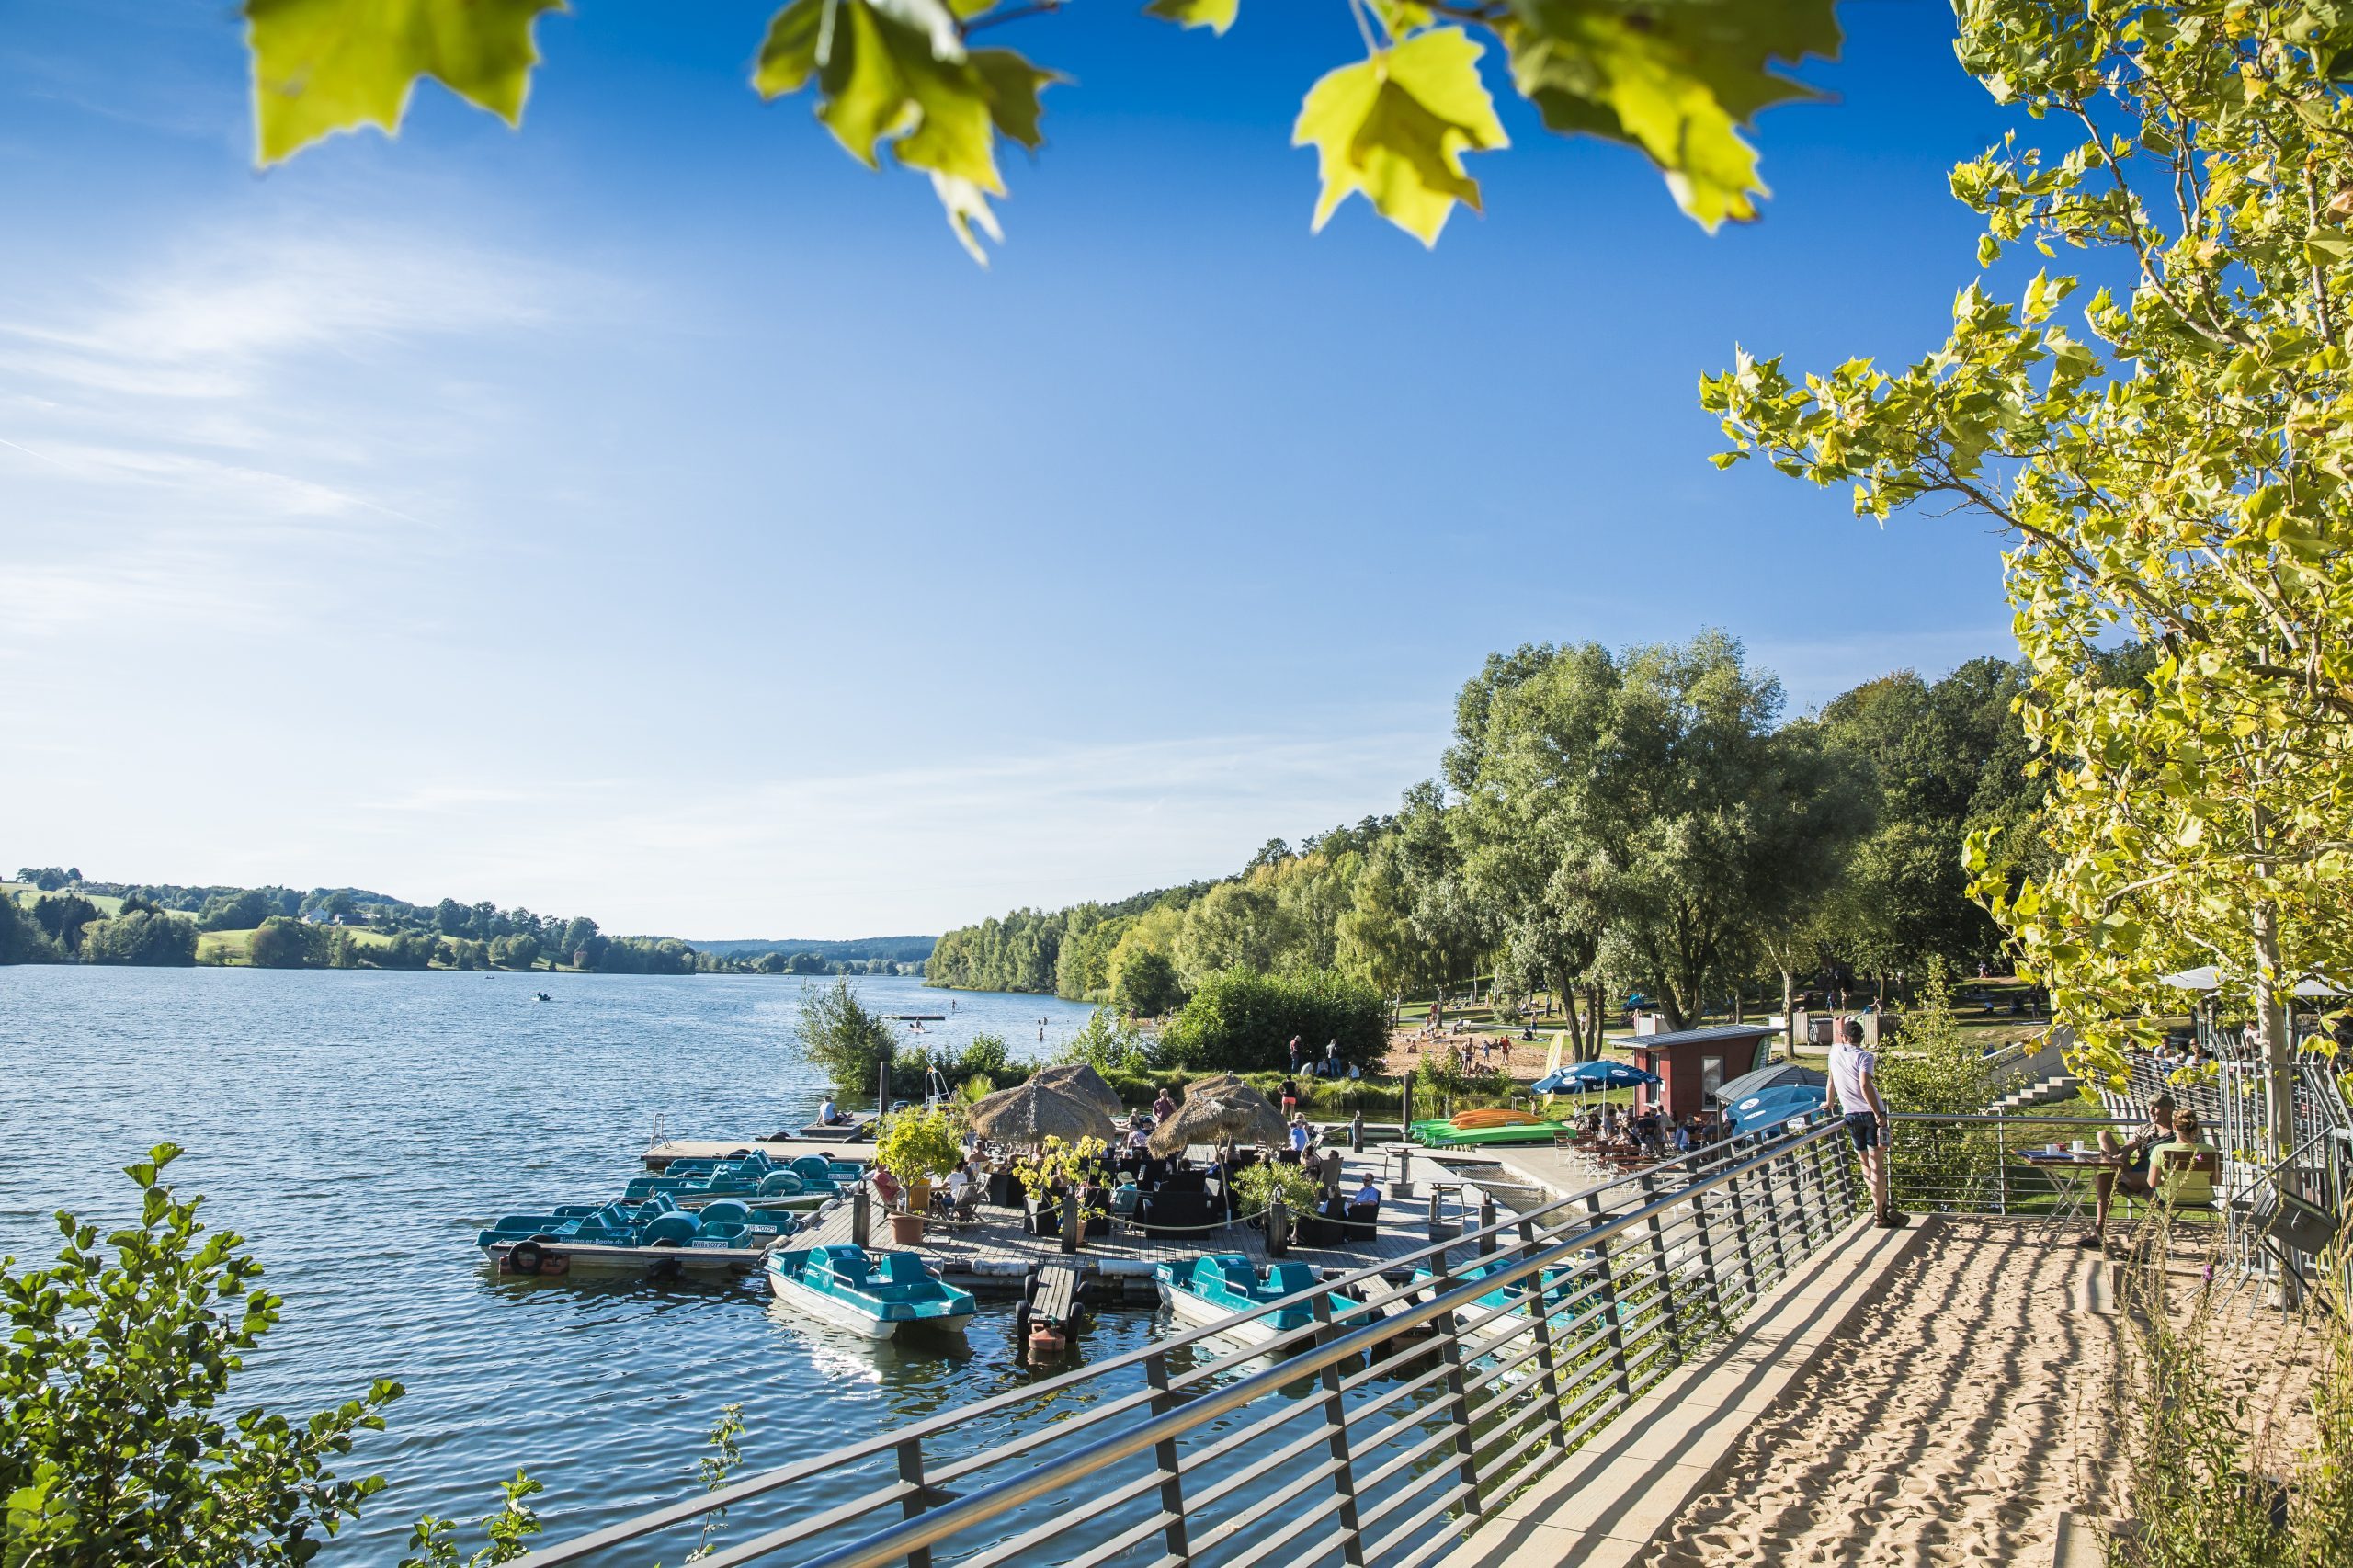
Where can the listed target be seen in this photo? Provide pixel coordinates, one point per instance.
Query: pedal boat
(1208, 1291)
(657, 1235)
(876, 1294)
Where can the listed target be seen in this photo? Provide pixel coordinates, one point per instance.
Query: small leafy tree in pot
(916, 1146)
(1075, 1168)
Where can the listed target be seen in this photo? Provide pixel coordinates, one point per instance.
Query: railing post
(910, 1474)
(1658, 1267)
(1336, 1431)
(1278, 1226)
(1797, 1199)
(1487, 1221)
(1163, 1455)
(860, 1224)
(1773, 1223)
(1740, 1238)
(1073, 1220)
(1457, 1399)
(2001, 1161)
(1708, 1259)
(1549, 1377)
(1610, 1305)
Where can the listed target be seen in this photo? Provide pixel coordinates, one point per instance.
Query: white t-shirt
(1849, 1063)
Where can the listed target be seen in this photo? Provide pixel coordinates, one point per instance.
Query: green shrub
(1241, 1021)
(1109, 1045)
(119, 1440)
(845, 1041)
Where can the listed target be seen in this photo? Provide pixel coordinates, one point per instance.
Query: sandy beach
(1967, 1416)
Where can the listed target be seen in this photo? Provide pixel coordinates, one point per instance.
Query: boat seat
(1289, 1278)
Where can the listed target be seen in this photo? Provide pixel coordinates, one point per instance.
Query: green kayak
(1444, 1134)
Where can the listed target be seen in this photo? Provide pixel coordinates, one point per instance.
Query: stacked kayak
(876, 1294)
(808, 1182)
(656, 1235)
(1485, 1127)
(1208, 1291)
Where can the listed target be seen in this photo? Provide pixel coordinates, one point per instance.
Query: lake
(358, 1127)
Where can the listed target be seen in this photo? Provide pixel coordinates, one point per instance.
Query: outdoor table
(2073, 1173)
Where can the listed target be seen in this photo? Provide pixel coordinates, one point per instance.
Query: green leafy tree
(1242, 1021)
(850, 1044)
(239, 911)
(280, 942)
(140, 938)
(1676, 79)
(1373, 938)
(1144, 983)
(1239, 925)
(62, 916)
(117, 1443)
(2172, 475)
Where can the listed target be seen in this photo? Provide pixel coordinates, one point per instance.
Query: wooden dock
(994, 1255)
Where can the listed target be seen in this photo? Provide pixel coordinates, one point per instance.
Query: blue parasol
(1770, 1107)
(1603, 1074)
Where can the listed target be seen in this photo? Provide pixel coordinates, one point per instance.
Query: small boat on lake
(1208, 1291)
(657, 1235)
(876, 1294)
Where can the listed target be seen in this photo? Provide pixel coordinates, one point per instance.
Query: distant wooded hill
(890, 949)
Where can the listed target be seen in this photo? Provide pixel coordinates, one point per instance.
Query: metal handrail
(1571, 1235)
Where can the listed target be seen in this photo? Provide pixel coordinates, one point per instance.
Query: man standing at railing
(1853, 1084)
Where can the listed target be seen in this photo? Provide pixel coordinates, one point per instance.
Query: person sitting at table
(1139, 1138)
(2127, 1166)
(1124, 1196)
(1368, 1193)
(886, 1186)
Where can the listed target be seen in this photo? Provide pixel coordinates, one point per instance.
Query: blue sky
(653, 515)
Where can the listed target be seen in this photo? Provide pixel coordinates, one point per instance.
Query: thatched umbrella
(1218, 1108)
(1080, 1082)
(1032, 1112)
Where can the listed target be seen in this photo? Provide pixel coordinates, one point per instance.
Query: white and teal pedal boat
(808, 1182)
(657, 1236)
(1509, 1301)
(876, 1294)
(1208, 1292)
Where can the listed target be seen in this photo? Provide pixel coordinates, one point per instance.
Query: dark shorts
(1863, 1128)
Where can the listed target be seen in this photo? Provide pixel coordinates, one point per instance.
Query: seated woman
(2129, 1166)
(886, 1188)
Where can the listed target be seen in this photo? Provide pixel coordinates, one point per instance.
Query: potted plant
(1260, 1184)
(914, 1146)
(1072, 1167)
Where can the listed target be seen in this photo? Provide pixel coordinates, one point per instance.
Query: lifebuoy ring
(525, 1258)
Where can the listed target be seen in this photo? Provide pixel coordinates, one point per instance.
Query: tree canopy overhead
(2174, 468)
(1676, 79)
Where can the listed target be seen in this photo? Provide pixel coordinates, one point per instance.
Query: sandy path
(1961, 1425)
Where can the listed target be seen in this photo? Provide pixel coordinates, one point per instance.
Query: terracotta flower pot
(906, 1229)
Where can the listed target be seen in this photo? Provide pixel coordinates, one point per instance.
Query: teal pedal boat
(1209, 1291)
(808, 1182)
(876, 1294)
(656, 1235)
(1559, 1284)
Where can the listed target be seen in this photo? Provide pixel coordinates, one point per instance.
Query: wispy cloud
(204, 434)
